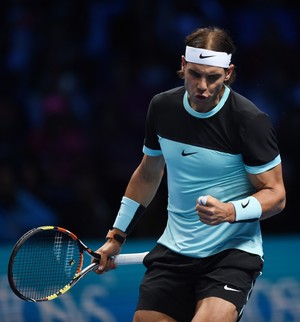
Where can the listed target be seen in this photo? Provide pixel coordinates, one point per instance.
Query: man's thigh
(151, 316)
(215, 309)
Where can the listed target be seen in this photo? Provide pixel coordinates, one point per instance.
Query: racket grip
(130, 259)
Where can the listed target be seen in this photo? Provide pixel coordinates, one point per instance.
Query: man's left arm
(270, 191)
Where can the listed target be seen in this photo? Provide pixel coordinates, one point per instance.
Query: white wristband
(247, 209)
(129, 213)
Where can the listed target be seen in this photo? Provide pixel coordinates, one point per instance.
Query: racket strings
(46, 263)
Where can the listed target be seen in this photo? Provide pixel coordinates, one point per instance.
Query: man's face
(204, 84)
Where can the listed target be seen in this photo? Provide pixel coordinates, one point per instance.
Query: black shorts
(174, 283)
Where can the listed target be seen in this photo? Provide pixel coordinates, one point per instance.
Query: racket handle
(129, 259)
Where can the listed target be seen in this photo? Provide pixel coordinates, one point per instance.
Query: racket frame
(121, 259)
(80, 273)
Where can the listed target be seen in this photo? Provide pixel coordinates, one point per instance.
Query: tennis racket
(48, 260)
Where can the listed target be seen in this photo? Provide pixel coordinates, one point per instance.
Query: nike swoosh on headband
(201, 56)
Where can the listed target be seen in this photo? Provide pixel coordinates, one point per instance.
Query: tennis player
(224, 175)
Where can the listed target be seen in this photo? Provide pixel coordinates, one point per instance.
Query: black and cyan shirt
(209, 153)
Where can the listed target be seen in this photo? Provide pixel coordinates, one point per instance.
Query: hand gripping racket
(48, 260)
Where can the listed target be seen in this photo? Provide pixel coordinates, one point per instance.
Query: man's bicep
(268, 179)
(152, 167)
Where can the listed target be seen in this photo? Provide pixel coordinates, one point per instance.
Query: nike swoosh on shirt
(184, 154)
(227, 288)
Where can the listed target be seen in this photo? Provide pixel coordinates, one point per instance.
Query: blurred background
(76, 80)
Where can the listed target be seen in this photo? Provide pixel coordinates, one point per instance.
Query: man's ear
(183, 62)
(229, 71)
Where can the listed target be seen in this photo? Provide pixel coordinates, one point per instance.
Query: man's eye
(194, 74)
(213, 78)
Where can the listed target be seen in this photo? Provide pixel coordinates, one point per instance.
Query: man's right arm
(140, 190)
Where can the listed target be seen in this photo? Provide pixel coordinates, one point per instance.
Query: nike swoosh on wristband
(201, 56)
(184, 154)
(244, 205)
(227, 288)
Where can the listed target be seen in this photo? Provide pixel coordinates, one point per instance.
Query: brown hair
(212, 38)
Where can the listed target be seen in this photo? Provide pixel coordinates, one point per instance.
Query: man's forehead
(204, 69)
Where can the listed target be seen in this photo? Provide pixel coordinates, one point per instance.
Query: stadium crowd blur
(76, 80)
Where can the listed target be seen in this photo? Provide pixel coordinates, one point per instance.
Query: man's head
(211, 46)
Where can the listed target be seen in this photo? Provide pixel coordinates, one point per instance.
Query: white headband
(207, 57)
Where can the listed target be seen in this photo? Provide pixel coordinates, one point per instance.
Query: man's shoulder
(247, 114)
(243, 105)
(170, 93)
